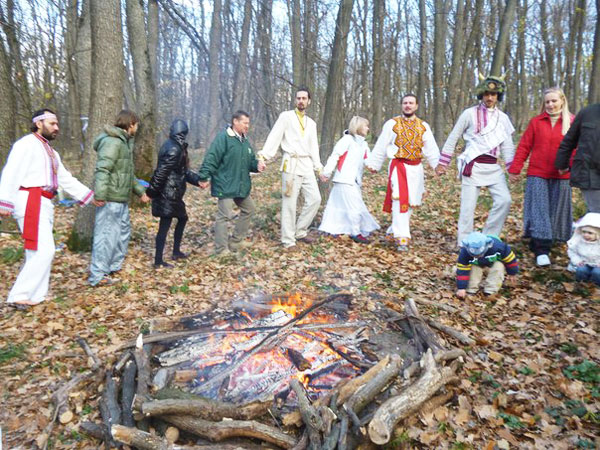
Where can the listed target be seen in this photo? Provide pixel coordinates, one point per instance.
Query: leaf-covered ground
(531, 381)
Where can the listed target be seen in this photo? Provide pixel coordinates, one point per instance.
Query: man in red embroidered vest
(405, 139)
(30, 179)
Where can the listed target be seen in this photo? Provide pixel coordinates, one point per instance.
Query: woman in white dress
(346, 212)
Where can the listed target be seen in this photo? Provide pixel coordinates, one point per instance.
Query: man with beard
(487, 132)
(114, 182)
(405, 139)
(32, 175)
(296, 133)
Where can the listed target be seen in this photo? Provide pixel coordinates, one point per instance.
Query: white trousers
(468, 202)
(34, 278)
(400, 226)
(292, 185)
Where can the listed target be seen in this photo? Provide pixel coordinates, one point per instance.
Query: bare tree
(214, 71)
(377, 42)
(332, 111)
(594, 94)
(145, 91)
(500, 51)
(439, 59)
(8, 105)
(106, 96)
(239, 85)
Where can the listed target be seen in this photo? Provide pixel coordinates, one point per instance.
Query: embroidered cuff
(445, 159)
(7, 206)
(87, 199)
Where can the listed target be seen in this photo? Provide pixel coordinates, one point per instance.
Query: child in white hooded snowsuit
(584, 249)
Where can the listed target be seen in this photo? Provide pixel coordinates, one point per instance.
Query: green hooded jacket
(114, 177)
(228, 163)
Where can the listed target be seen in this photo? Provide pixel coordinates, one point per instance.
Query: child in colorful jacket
(477, 252)
(584, 249)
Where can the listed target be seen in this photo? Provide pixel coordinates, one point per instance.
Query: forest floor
(531, 381)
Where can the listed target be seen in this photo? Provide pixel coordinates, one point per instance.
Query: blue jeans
(588, 273)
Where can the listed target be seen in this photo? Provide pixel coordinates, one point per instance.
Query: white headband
(46, 115)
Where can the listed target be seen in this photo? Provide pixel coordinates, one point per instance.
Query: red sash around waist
(32, 215)
(398, 164)
(481, 159)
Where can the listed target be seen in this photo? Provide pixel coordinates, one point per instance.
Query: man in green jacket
(114, 182)
(228, 164)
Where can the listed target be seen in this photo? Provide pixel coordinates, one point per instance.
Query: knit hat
(491, 84)
(477, 243)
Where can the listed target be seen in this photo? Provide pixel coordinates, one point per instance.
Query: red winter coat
(540, 139)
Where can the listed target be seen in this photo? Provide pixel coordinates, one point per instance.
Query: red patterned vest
(409, 138)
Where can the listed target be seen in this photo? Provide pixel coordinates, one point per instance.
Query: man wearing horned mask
(487, 133)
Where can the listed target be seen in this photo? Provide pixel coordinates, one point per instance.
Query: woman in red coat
(547, 215)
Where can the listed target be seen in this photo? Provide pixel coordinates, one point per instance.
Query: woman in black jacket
(167, 188)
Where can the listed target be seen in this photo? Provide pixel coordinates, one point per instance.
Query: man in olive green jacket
(114, 182)
(228, 164)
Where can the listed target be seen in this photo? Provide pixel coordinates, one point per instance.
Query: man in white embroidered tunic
(487, 131)
(296, 133)
(404, 140)
(32, 175)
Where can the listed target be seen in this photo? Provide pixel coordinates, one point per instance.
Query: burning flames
(304, 352)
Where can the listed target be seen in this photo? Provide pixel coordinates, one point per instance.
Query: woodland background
(533, 378)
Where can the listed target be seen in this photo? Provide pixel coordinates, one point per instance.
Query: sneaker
(542, 260)
(306, 239)
(360, 239)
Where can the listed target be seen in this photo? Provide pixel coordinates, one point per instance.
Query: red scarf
(31, 223)
(398, 164)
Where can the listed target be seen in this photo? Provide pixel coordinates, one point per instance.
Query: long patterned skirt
(547, 210)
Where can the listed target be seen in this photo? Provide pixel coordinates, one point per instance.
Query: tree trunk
(75, 137)
(106, 96)
(20, 83)
(502, 42)
(458, 58)
(153, 27)
(8, 105)
(239, 85)
(333, 109)
(594, 93)
(214, 71)
(298, 62)
(423, 60)
(264, 27)
(548, 47)
(439, 60)
(377, 43)
(83, 71)
(145, 91)
(580, 12)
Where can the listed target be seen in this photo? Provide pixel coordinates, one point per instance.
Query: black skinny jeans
(161, 236)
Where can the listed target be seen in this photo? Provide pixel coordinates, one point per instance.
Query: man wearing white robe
(32, 175)
(296, 133)
(487, 133)
(404, 140)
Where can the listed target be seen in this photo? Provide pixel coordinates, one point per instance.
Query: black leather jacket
(585, 135)
(168, 183)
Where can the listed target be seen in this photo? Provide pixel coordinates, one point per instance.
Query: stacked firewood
(365, 408)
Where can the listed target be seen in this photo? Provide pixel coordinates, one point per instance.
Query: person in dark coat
(167, 187)
(584, 135)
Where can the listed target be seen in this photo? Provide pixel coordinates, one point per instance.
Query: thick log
(460, 337)
(143, 376)
(122, 361)
(342, 442)
(302, 443)
(423, 334)
(367, 392)
(128, 392)
(447, 355)
(311, 418)
(94, 430)
(217, 431)
(109, 397)
(331, 439)
(146, 441)
(396, 408)
(205, 408)
(445, 307)
(342, 392)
